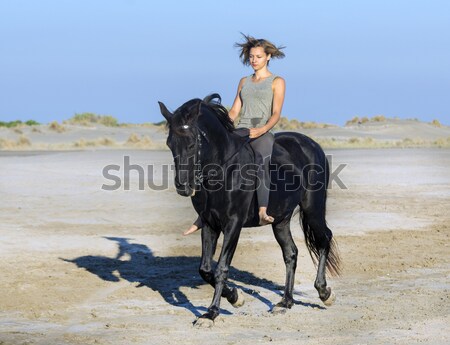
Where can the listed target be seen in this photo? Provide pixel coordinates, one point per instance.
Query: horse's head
(191, 128)
(185, 144)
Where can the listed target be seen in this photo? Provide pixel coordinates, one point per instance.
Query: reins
(199, 178)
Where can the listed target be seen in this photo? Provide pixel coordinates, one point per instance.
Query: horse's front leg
(209, 244)
(218, 280)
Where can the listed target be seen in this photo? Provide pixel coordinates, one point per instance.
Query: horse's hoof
(203, 322)
(331, 299)
(240, 301)
(279, 309)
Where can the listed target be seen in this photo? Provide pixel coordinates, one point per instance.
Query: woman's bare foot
(264, 219)
(193, 228)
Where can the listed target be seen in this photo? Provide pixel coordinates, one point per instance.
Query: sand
(83, 265)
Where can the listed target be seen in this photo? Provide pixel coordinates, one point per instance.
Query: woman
(259, 100)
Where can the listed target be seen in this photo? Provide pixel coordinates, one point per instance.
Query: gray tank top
(257, 101)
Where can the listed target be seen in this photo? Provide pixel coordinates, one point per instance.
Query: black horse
(214, 166)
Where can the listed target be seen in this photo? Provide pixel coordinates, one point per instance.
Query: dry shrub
(442, 142)
(379, 118)
(105, 141)
(36, 130)
(353, 121)
(358, 121)
(86, 119)
(408, 142)
(133, 139)
(364, 119)
(284, 124)
(312, 124)
(369, 141)
(80, 143)
(18, 131)
(55, 126)
(144, 141)
(436, 123)
(108, 120)
(22, 142)
(6, 144)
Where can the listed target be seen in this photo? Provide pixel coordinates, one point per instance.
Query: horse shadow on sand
(136, 263)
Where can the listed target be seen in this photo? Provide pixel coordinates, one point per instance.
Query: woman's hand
(257, 132)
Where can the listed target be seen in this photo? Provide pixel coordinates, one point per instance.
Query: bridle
(199, 178)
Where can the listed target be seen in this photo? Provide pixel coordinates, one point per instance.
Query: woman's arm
(237, 104)
(279, 88)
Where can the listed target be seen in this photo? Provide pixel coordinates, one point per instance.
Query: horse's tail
(333, 262)
(318, 236)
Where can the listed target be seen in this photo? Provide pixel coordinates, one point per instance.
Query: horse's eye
(191, 146)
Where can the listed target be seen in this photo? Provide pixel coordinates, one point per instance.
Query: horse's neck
(223, 143)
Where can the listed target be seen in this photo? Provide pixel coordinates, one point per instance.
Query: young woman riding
(259, 101)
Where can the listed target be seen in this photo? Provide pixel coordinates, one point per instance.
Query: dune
(368, 134)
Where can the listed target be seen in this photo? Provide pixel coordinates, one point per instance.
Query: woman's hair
(251, 42)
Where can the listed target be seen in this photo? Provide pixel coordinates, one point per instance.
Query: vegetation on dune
(22, 142)
(381, 118)
(143, 141)
(436, 123)
(57, 127)
(16, 123)
(105, 141)
(87, 119)
(360, 120)
(160, 123)
(378, 118)
(16, 140)
(370, 143)
(443, 142)
(288, 125)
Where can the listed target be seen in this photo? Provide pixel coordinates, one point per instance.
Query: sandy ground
(82, 265)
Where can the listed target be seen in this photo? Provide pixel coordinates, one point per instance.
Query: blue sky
(119, 57)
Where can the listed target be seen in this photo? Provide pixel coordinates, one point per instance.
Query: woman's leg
(262, 147)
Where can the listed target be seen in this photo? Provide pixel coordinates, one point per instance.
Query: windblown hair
(251, 42)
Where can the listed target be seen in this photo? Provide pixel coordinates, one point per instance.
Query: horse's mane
(190, 112)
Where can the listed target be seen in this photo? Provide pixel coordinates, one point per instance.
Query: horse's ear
(165, 112)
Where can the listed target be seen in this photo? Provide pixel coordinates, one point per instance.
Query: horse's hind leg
(282, 232)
